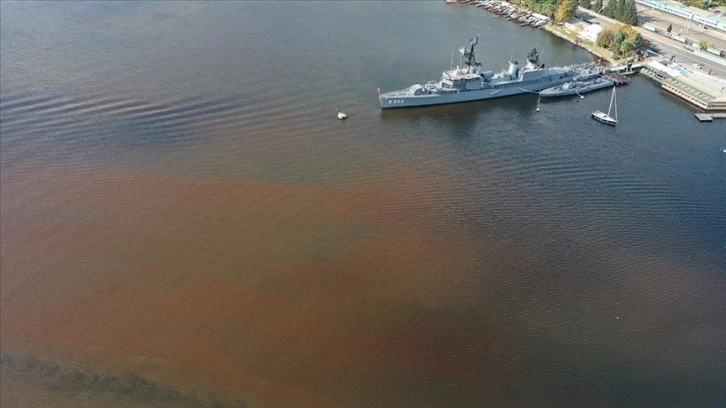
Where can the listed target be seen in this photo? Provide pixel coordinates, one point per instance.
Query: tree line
(622, 10)
(563, 10)
(559, 10)
(704, 4)
(546, 7)
(622, 40)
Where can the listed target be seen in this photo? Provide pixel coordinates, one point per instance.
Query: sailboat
(605, 117)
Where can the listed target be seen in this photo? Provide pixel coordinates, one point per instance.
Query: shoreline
(565, 34)
(593, 49)
(688, 91)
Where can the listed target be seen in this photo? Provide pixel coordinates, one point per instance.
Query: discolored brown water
(186, 223)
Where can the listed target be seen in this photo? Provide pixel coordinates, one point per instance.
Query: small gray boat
(577, 87)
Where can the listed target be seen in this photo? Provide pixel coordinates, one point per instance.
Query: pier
(707, 93)
(627, 69)
(619, 79)
(709, 117)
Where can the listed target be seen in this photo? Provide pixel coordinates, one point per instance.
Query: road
(662, 19)
(667, 46)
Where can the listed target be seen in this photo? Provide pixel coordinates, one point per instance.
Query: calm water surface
(185, 222)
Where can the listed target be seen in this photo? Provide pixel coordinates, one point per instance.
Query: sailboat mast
(615, 102)
(612, 97)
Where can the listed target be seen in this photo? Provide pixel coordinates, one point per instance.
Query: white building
(584, 29)
(590, 32)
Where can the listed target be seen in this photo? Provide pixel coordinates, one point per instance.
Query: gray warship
(471, 83)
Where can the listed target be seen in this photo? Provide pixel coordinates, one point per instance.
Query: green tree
(622, 40)
(565, 11)
(630, 12)
(622, 10)
(670, 27)
(585, 4)
(611, 8)
(619, 10)
(618, 40)
(597, 5)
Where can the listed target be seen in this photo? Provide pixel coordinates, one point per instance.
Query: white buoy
(342, 115)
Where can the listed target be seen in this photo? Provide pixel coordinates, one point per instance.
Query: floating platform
(619, 79)
(627, 69)
(709, 117)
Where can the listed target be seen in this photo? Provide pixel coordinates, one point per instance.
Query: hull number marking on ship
(392, 101)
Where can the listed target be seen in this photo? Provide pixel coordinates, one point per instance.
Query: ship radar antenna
(469, 54)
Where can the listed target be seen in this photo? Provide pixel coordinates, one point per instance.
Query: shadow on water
(130, 388)
(468, 120)
(517, 105)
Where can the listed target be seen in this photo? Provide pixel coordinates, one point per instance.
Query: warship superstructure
(471, 83)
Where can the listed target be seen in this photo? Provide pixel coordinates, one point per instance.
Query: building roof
(594, 27)
(695, 10)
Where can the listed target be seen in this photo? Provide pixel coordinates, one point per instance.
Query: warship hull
(577, 90)
(399, 99)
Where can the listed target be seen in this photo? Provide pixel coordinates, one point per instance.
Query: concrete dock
(709, 117)
(706, 92)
